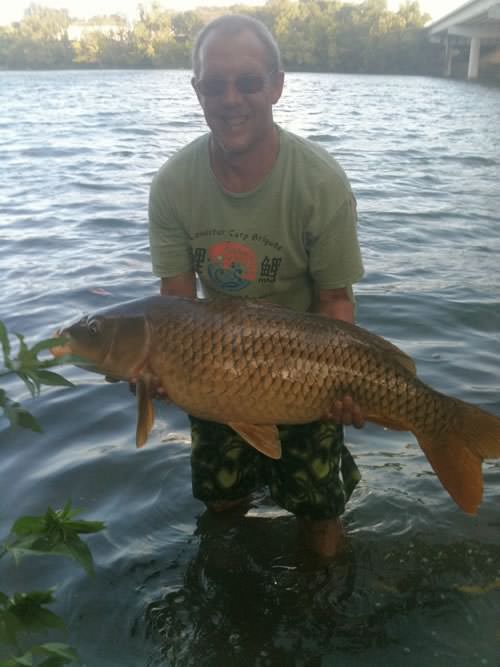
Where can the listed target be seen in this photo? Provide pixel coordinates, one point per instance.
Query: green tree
(44, 24)
(39, 40)
(7, 39)
(152, 32)
(328, 35)
(86, 51)
(412, 16)
(186, 25)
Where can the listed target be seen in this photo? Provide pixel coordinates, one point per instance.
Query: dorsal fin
(361, 336)
(404, 359)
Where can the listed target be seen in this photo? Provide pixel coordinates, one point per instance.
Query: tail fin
(457, 453)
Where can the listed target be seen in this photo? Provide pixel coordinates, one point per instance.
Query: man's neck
(243, 172)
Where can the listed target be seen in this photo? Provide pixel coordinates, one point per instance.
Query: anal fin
(263, 437)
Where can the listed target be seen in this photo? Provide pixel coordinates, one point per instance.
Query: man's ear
(277, 88)
(193, 84)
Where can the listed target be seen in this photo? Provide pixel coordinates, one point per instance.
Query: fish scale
(270, 361)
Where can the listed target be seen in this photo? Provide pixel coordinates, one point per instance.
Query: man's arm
(183, 284)
(337, 304)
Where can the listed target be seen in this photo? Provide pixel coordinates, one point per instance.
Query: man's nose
(231, 93)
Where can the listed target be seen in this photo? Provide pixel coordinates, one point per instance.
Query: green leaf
(50, 363)
(26, 525)
(27, 377)
(10, 626)
(54, 533)
(49, 378)
(30, 609)
(68, 511)
(4, 342)
(26, 612)
(25, 660)
(10, 662)
(24, 356)
(34, 597)
(26, 420)
(87, 526)
(58, 655)
(54, 661)
(81, 553)
(61, 650)
(17, 415)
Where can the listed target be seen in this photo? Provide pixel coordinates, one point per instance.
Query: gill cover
(113, 344)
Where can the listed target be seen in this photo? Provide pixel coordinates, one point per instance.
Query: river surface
(420, 583)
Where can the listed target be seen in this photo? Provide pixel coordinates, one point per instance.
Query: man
(255, 211)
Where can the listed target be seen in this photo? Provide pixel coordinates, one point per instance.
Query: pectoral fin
(265, 438)
(145, 411)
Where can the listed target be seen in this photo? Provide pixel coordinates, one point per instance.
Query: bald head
(231, 25)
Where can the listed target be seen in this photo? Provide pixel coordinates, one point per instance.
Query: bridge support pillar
(449, 53)
(475, 47)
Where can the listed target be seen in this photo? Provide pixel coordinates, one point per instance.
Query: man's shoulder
(315, 161)
(183, 160)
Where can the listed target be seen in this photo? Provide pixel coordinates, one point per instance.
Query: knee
(239, 504)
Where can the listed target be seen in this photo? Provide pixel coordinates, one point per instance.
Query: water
(420, 584)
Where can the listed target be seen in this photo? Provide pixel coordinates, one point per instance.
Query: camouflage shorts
(314, 478)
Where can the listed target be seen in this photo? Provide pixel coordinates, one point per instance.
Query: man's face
(236, 90)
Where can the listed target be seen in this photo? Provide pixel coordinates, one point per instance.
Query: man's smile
(233, 121)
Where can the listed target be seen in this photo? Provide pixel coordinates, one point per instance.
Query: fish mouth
(64, 349)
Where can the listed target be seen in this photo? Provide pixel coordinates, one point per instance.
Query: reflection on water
(246, 586)
(419, 585)
(248, 598)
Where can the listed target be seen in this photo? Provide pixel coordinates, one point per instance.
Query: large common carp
(252, 365)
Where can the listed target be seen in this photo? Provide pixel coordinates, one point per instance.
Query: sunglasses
(246, 84)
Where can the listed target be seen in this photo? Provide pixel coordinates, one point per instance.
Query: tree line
(314, 35)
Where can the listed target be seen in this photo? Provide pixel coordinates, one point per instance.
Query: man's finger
(358, 420)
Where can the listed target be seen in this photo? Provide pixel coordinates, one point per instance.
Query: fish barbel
(253, 365)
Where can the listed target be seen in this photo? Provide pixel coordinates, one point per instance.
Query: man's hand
(338, 304)
(157, 390)
(346, 412)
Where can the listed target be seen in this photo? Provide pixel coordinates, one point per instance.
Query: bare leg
(323, 537)
(238, 505)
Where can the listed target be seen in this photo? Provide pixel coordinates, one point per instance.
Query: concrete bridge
(472, 24)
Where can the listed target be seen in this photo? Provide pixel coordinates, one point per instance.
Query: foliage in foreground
(32, 371)
(57, 532)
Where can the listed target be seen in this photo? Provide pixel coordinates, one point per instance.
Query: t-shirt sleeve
(334, 254)
(169, 242)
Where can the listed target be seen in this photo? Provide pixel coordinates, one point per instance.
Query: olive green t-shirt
(295, 232)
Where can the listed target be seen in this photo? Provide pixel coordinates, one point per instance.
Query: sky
(13, 10)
